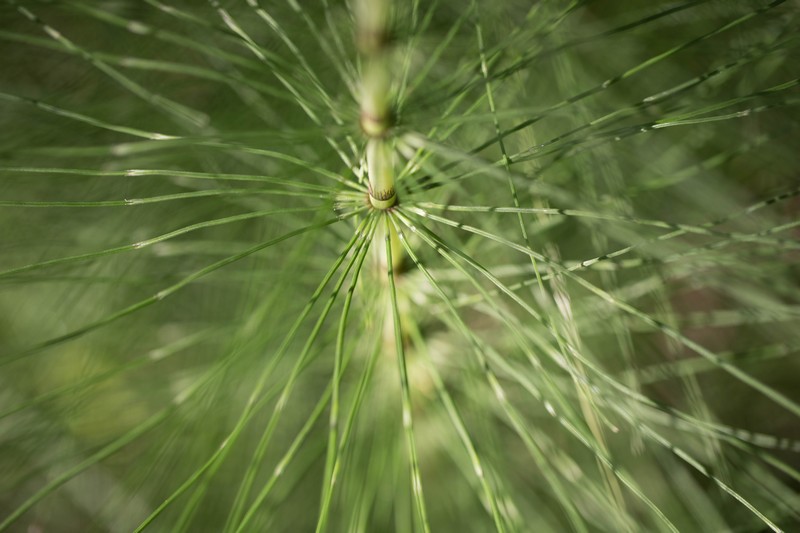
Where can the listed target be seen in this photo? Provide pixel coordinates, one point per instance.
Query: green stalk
(408, 424)
(372, 36)
(380, 164)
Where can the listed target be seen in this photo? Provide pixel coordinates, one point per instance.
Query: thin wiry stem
(329, 478)
(746, 378)
(408, 423)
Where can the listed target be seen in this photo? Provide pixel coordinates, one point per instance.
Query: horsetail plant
(372, 265)
(374, 37)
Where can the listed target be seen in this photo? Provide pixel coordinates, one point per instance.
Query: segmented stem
(373, 39)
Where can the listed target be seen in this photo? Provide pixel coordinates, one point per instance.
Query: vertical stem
(408, 423)
(380, 166)
(373, 19)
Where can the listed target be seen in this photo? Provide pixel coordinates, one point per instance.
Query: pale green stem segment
(380, 163)
(372, 36)
(375, 101)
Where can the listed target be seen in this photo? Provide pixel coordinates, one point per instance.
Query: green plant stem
(380, 166)
(408, 424)
(372, 36)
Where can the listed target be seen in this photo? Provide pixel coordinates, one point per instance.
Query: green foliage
(581, 314)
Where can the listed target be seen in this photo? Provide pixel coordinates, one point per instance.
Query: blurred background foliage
(644, 378)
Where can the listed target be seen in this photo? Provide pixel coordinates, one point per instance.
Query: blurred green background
(647, 368)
